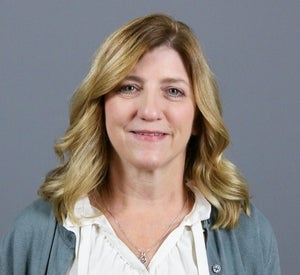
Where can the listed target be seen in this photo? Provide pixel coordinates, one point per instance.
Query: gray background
(252, 46)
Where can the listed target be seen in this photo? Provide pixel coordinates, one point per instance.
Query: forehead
(161, 60)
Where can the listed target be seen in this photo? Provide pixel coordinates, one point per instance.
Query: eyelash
(128, 89)
(179, 92)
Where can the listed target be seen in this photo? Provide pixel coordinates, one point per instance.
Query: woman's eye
(174, 92)
(127, 89)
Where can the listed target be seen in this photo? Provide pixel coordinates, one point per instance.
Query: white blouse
(100, 251)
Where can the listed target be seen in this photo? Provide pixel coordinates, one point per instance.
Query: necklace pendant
(143, 258)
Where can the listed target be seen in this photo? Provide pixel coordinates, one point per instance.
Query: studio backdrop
(252, 47)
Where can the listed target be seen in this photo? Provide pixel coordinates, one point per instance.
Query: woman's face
(149, 119)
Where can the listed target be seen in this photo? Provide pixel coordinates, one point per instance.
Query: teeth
(150, 134)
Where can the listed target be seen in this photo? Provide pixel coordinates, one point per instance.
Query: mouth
(149, 133)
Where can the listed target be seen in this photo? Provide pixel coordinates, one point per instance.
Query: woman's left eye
(174, 92)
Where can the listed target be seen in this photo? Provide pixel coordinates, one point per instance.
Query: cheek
(109, 103)
(116, 117)
(112, 109)
(109, 111)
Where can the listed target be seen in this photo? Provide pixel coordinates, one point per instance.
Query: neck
(144, 207)
(133, 188)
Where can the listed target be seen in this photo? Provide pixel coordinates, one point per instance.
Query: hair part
(84, 149)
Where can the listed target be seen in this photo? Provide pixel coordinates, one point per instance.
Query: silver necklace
(143, 253)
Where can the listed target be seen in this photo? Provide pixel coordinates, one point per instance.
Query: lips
(149, 133)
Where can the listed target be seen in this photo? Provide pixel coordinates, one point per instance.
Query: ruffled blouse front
(100, 251)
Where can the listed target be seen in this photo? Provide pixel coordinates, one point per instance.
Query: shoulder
(256, 225)
(33, 221)
(37, 215)
(259, 233)
(250, 247)
(250, 229)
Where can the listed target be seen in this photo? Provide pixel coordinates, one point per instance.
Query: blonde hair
(84, 149)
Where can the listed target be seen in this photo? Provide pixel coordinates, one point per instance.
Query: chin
(148, 164)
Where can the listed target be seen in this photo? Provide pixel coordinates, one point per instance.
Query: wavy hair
(84, 149)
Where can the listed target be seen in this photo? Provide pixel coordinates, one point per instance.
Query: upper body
(37, 244)
(145, 124)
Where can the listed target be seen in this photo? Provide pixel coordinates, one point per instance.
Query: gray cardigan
(36, 244)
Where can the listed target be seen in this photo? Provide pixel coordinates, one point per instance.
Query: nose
(150, 106)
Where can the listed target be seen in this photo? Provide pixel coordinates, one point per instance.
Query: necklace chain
(143, 253)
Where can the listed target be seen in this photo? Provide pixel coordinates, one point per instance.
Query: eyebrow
(167, 80)
(175, 80)
(134, 78)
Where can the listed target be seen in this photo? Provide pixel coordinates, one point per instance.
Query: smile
(148, 133)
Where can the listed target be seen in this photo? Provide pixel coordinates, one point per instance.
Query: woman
(143, 186)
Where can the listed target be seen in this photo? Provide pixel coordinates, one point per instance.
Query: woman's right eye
(127, 88)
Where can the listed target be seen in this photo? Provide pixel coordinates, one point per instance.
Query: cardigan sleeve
(270, 248)
(26, 246)
(261, 242)
(272, 266)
